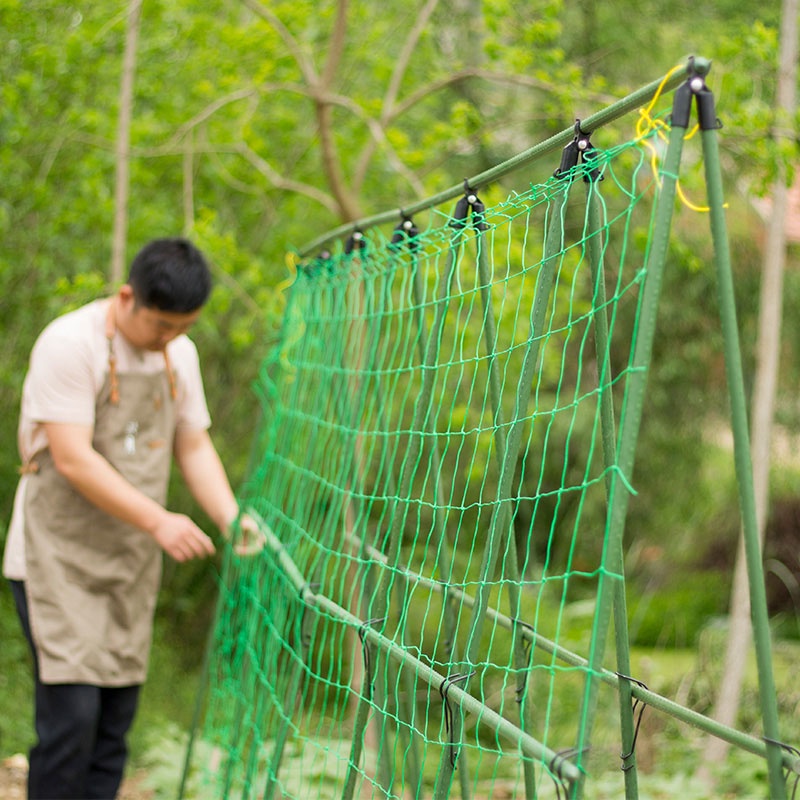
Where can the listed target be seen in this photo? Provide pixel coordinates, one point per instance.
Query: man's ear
(126, 295)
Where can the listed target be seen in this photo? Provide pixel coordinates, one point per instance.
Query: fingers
(181, 539)
(194, 544)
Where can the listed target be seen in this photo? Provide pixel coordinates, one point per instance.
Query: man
(112, 392)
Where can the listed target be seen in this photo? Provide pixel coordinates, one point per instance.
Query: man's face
(150, 328)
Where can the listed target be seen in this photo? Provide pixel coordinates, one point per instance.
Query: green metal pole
(521, 661)
(608, 435)
(742, 455)
(443, 556)
(380, 601)
(292, 699)
(545, 149)
(744, 741)
(501, 515)
(610, 578)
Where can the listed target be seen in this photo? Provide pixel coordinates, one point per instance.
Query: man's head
(168, 284)
(170, 275)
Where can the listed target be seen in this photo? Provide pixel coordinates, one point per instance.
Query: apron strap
(113, 378)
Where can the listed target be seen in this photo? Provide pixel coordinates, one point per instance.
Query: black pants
(81, 729)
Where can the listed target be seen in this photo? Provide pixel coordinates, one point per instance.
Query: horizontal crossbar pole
(701, 722)
(566, 771)
(557, 142)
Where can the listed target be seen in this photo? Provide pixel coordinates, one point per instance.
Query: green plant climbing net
(441, 475)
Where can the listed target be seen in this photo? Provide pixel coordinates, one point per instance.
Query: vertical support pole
(608, 436)
(741, 440)
(501, 515)
(292, 698)
(611, 581)
(443, 556)
(205, 679)
(520, 654)
(361, 347)
(410, 462)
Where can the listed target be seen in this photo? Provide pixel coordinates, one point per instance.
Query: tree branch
(264, 168)
(487, 75)
(305, 64)
(336, 47)
(393, 89)
(123, 144)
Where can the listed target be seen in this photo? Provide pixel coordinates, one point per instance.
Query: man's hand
(248, 538)
(96, 479)
(180, 538)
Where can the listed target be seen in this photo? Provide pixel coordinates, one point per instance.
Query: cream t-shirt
(68, 368)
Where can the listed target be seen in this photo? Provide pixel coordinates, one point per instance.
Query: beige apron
(92, 580)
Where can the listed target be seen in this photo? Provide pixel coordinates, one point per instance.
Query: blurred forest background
(256, 126)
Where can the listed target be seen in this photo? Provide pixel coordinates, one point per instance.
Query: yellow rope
(645, 126)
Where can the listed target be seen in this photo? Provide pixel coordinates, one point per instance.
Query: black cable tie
(305, 638)
(641, 706)
(556, 765)
(362, 630)
(444, 689)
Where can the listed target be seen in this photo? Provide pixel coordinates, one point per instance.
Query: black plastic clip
(444, 688)
(579, 148)
(318, 264)
(406, 231)
(637, 703)
(694, 88)
(362, 630)
(793, 751)
(355, 241)
(469, 203)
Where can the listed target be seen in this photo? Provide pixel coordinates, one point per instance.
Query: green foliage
(673, 613)
(16, 680)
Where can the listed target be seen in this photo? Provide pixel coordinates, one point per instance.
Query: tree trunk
(765, 385)
(122, 151)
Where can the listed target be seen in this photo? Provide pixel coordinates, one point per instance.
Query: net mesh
(431, 478)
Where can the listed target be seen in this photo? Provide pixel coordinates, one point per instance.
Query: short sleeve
(60, 385)
(192, 406)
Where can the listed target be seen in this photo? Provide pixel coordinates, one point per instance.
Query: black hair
(170, 274)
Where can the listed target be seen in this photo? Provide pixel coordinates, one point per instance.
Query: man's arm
(205, 476)
(95, 478)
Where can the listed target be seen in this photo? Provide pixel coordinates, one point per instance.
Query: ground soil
(14, 770)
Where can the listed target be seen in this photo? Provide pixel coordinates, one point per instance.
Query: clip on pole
(694, 88)
(556, 765)
(637, 703)
(406, 231)
(444, 689)
(362, 632)
(354, 242)
(469, 203)
(579, 148)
